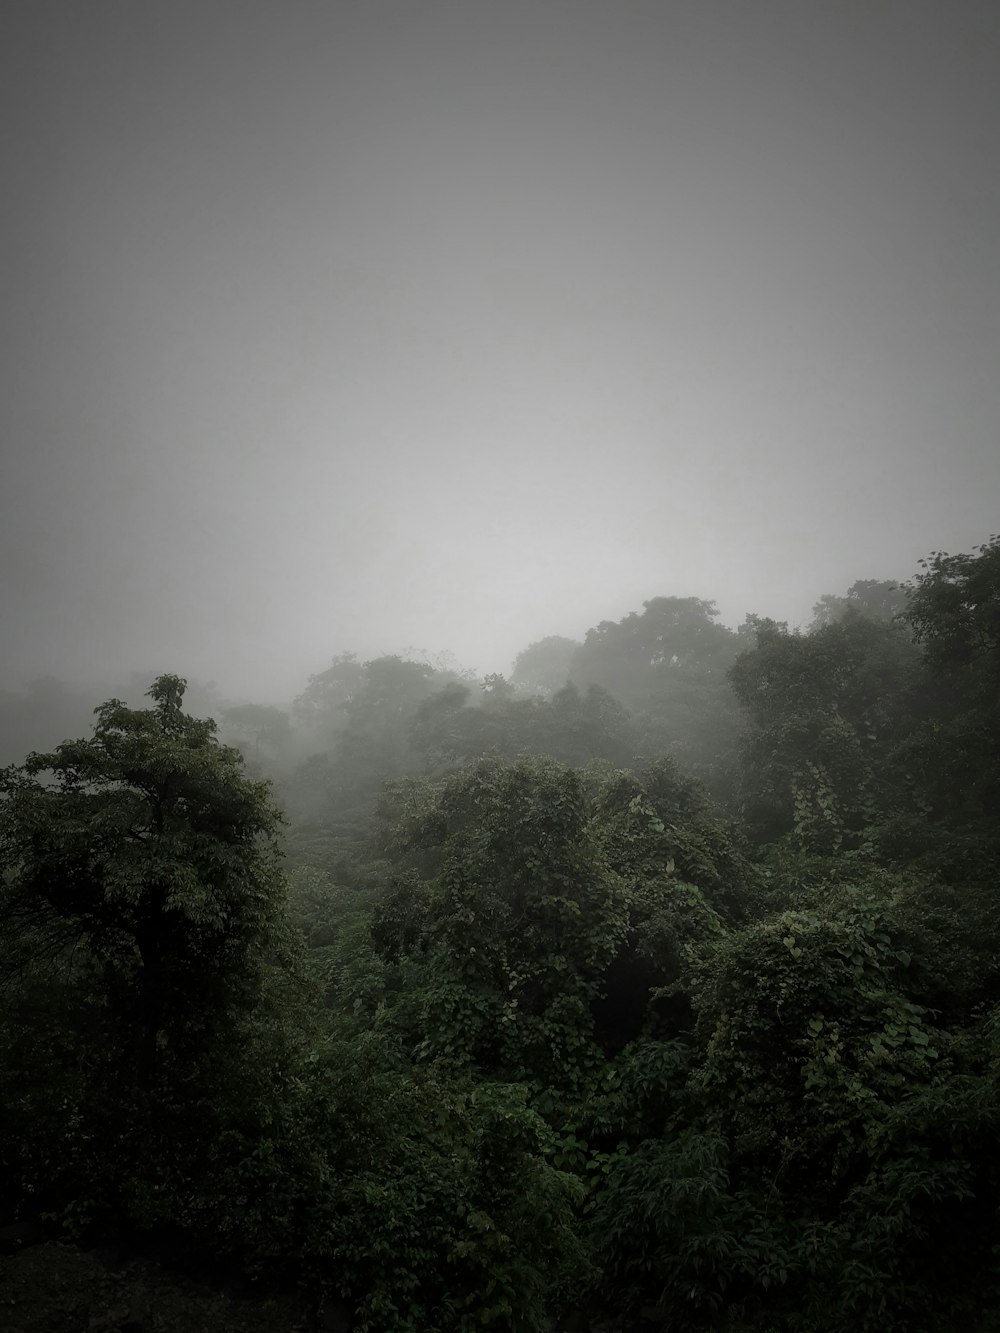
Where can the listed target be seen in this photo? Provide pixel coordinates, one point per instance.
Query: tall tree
(668, 666)
(878, 599)
(824, 711)
(954, 606)
(147, 848)
(954, 611)
(544, 666)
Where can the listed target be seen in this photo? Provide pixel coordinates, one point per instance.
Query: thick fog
(369, 326)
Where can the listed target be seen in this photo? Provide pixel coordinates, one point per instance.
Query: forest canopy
(657, 985)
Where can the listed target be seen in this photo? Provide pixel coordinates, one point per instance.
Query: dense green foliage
(660, 982)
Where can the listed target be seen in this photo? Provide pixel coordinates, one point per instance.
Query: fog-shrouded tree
(573, 726)
(878, 599)
(318, 710)
(543, 667)
(668, 666)
(631, 656)
(259, 724)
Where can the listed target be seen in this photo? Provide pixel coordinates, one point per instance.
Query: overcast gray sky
(365, 324)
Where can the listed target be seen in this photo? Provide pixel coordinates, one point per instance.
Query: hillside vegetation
(656, 985)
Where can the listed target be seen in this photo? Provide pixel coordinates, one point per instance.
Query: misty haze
(498, 681)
